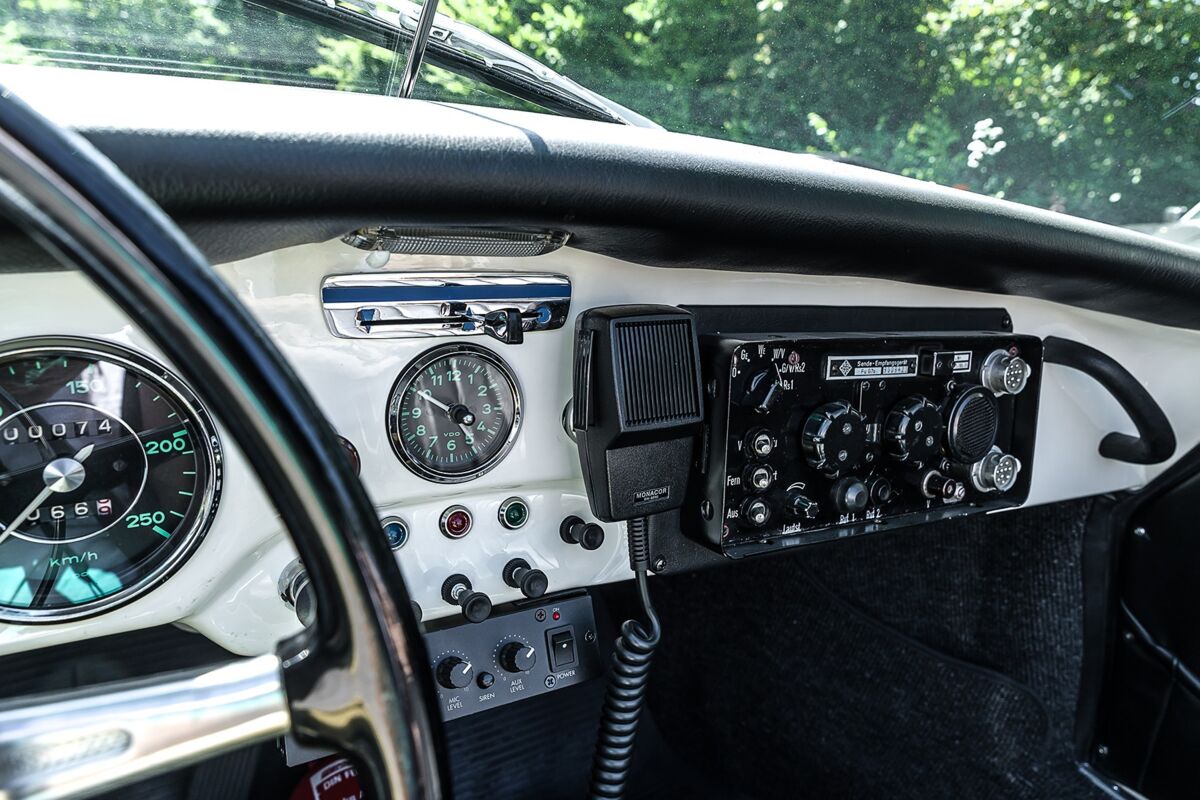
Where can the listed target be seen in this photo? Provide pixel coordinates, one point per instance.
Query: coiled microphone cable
(627, 680)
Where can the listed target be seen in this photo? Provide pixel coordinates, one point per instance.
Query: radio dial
(798, 505)
(517, 657)
(913, 431)
(454, 672)
(834, 437)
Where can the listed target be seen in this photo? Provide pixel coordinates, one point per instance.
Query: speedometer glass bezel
(165, 558)
(420, 465)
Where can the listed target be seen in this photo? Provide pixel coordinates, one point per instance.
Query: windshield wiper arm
(463, 49)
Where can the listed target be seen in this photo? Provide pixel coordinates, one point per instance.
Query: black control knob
(799, 506)
(476, 606)
(587, 535)
(519, 575)
(517, 657)
(834, 437)
(880, 490)
(756, 511)
(972, 419)
(850, 495)
(454, 673)
(912, 431)
(763, 390)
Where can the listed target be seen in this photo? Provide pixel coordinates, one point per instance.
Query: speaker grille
(657, 372)
(971, 429)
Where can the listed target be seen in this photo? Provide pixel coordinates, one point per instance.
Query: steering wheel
(356, 680)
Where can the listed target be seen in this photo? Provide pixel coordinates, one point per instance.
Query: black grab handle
(1155, 441)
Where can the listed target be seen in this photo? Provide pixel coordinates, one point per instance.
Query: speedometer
(454, 413)
(109, 474)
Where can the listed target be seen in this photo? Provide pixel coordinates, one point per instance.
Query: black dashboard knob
(834, 437)
(912, 431)
(587, 535)
(476, 606)
(532, 582)
(763, 390)
(517, 657)
(454, 673)
(972, 420)
(850, 495)
(799, 505)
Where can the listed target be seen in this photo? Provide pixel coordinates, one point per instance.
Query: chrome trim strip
(419, 305)
(78, 743)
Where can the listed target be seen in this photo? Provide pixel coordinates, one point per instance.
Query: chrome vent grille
(457, 241)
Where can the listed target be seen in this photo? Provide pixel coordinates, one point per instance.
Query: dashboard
(463, 439)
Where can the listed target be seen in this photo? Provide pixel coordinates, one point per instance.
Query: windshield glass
(1088, 107)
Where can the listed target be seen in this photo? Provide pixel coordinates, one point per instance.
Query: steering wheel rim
(357, 679)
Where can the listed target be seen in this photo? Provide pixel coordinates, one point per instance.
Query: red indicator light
(556, 616)
(456, 522)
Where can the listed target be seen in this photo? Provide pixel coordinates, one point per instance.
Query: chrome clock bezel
(211, 454)
(399, 387)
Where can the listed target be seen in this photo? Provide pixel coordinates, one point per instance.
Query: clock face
(454, 413)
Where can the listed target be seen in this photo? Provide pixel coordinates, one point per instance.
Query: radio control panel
(832, 435)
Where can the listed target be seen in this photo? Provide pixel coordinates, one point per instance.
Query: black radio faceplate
(822, 436)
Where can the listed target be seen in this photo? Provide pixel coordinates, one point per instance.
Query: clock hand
(79, 457)
(457, 412)
(429, 398)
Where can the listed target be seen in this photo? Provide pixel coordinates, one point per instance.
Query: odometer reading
(109, 473)
(454, 413)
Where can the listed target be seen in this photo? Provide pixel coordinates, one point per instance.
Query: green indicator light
(514, 513)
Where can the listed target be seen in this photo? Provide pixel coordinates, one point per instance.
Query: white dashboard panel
(228, 590)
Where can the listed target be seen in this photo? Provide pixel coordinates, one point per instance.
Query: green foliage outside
(1087, 106)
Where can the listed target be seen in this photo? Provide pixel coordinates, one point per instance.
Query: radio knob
(762, 391)
(517, 657)
(834, 437)
(1003, 373)
(912, 431)
(454, 672)
(798, 505)
(756, 511)
(850, 495)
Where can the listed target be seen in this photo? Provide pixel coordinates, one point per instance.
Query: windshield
(1088, 107)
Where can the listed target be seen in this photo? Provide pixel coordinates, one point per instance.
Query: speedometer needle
(50, 489)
